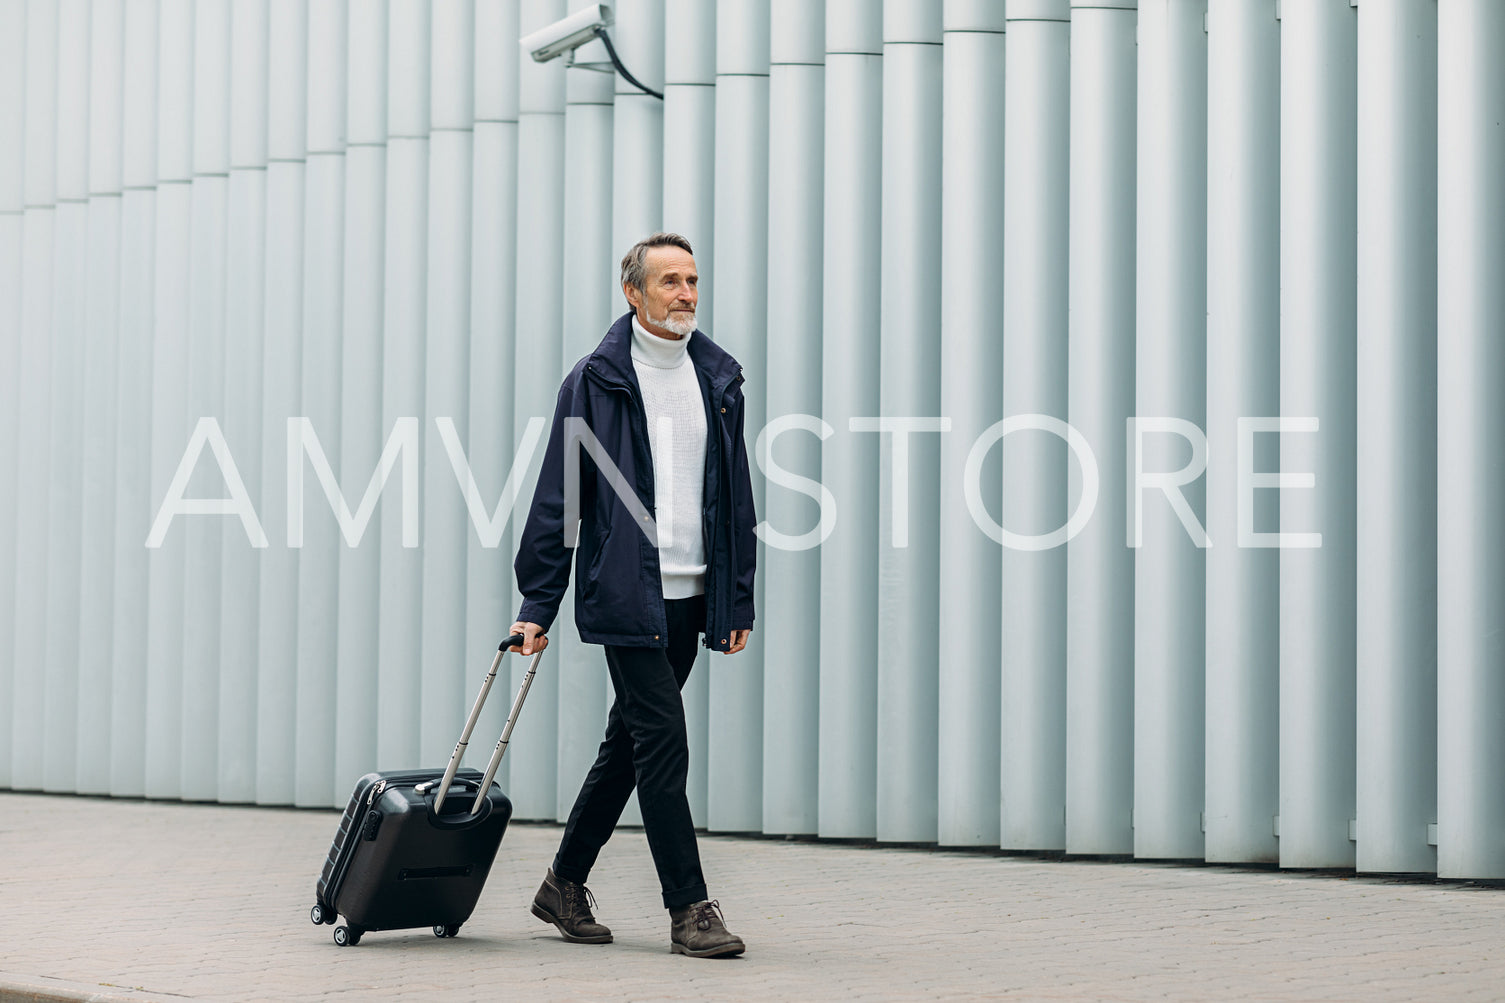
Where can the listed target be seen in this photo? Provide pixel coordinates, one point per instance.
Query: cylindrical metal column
(97, 528)
(134, 504)
(493, 444)
(849, 638)
(537, 370)
(400, 638)
(796, 158)
(1036, 172)
(245, 334)
(12, 226)
(1396, 565)
(446, 683)
(735, 758)
(323, 310)
(1171, 377)
(1317, 308)
(362, 430)
(971, 365)
(171, 422)
(33, 398)
(591, 300)
(27, 693)
(689, 156)
(1100, 392)
(909, 388)
(282, 380)
(638, 143)
(69, 272)
(1471, 439)
(1243, 380)
(689, 208)
(204, 535)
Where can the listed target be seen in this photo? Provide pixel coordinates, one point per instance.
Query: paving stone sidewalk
(147, 901)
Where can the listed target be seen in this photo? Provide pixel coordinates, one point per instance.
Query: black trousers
(646, 746)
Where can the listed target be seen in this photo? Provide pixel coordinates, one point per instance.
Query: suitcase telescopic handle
(475, 714)
(501, 743)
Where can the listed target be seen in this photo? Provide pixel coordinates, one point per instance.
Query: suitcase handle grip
(465, 782)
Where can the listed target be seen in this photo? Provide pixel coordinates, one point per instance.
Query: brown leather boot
(698, 931)
(567, 904)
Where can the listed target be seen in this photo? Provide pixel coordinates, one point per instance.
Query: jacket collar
(613, 357)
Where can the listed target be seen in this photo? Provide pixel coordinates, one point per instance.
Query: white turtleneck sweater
(676, 436)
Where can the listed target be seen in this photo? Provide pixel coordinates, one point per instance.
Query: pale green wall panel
(1171, 380)
(400, 621)
(909, 382)
(70, 273)
(33, 399)
(101, 341)
(362, 430)
(203, 579)
(850, 635)
(1318, 221)
(12, 237)
(245, 334)
(133, 436)
(1032, 636)
(1100, 397)
(956, 212)
(322, 354)
(1471, 428)
(1243, 379)
(282, 367)
(791, 671)
(1396, 338)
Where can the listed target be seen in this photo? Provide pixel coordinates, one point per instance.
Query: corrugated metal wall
(1165, 279)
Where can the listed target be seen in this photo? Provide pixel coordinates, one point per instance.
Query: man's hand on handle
(739, 641)
(533, 638)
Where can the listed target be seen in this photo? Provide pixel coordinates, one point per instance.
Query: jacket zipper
(723, 476)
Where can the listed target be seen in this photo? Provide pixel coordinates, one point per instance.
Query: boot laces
(708, 912)
(579, 900)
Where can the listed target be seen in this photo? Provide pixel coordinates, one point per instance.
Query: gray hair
(635, 261)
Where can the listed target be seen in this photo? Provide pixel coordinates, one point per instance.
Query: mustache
(680, 320)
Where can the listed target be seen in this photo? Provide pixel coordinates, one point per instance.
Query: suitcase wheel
(442, 931)
(347, 936)
(318, 915)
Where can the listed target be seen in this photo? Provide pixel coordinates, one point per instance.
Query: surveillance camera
(568, 34)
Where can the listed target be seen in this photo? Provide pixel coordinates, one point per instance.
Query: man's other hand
(533, 639)
(739, 641)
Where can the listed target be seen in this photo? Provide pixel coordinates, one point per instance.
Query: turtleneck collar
(651, 350)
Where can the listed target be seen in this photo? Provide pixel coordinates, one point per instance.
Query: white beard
(672, 323)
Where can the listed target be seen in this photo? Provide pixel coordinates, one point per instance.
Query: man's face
(666, 305)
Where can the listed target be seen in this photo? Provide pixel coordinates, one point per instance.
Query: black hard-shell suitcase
(414, 847)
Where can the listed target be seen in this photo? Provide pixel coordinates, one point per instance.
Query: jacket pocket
(590, 583)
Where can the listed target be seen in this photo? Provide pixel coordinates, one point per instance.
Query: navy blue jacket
(619, 597)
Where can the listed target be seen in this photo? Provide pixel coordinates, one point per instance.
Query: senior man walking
(646, 478)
